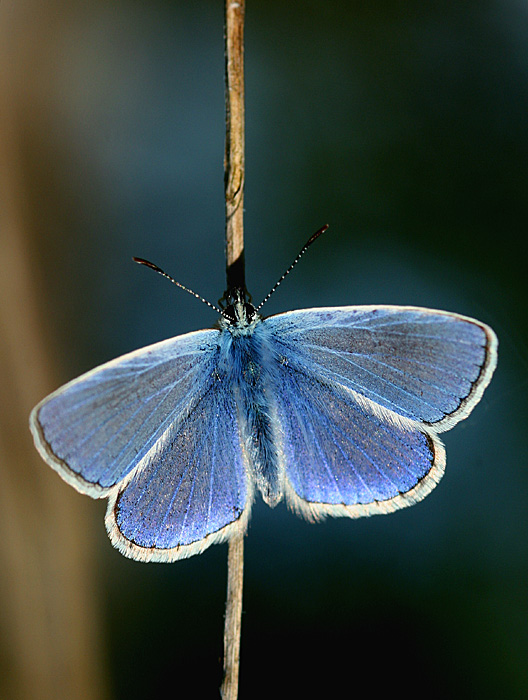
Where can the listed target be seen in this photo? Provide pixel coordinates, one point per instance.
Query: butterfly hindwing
(190, 491)
(341, 457)
(427, 366)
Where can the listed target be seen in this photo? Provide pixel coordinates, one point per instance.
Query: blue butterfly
(337, 410)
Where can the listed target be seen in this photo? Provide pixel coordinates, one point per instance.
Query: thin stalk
(234, 199)
(234, 143)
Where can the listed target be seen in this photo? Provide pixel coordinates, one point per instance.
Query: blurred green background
(403, 126)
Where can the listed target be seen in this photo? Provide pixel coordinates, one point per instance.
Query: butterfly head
(238, 313)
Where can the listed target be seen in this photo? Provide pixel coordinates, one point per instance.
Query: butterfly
(337, 410)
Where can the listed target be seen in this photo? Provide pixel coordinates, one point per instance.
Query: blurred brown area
(49, 610)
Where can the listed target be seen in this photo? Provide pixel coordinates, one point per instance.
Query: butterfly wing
(156, 431)
(190, 491)
(340, 458)
(424, 365)
(96, 429)
(361, 393)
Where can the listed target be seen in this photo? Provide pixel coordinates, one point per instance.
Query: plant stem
(234, 199)
(233, 618)
(234, 144)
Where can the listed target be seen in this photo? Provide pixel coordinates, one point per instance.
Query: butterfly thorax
(239, 316)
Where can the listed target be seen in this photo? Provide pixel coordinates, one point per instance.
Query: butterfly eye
(250, 312)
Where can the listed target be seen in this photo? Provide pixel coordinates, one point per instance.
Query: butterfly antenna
(157, 269)
(301, 253)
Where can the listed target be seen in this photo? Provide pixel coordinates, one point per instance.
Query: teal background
(403, 126)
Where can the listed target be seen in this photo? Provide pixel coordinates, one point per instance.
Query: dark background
(403, 126)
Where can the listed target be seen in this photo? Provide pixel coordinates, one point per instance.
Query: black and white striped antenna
(157, 269)
(147, 263)
(301, 253)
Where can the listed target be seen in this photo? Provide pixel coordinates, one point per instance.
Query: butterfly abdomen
(251, 384)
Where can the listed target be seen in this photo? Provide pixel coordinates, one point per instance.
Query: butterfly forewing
(427, 366)
(96, 429)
